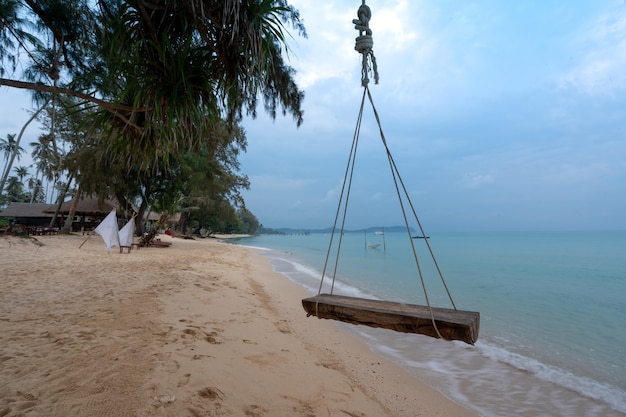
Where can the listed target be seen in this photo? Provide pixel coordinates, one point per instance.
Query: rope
(396, 177)
(365, 43)
(347, 180)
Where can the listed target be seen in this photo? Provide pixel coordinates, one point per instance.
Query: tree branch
(113, 108)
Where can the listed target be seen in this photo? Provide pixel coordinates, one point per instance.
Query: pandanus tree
(161, 71)
(176, 67)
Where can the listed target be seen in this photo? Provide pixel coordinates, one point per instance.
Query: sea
(552, 309)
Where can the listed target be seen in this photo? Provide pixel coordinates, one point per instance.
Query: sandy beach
(201, 328)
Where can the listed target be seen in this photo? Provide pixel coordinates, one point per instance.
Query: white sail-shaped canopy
(108, 230)
(126, 233)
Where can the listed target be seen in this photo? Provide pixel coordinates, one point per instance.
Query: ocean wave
(584, 386)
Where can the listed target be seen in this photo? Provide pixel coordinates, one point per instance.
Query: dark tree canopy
(157, 70)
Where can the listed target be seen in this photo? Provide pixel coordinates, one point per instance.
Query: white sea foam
(309, 277)
(492, 381)
(256, 247)
(610, 395)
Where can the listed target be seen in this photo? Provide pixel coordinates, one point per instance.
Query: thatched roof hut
(88, 206)
(28, 214)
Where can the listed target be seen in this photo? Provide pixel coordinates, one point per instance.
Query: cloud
(476, 179)
(394, 25)
(326, 53)
(331, 195)
(602, 68)
(468, 105)
(273, 182)
(489, 107)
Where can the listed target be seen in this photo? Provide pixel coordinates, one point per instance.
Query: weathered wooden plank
(407, 318)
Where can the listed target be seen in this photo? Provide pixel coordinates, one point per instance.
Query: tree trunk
(60, 201)
(140, 219)
(140, 222)
(183, 223)
(118, 110)
(67, 227)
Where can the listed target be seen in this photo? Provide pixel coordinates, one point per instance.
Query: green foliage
(147, 97)
(247, 222)
(14, 191)
(14, 29)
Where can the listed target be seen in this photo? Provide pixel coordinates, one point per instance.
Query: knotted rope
(365, 43)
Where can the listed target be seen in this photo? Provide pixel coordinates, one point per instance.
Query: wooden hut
(27, 214)
(88, 214)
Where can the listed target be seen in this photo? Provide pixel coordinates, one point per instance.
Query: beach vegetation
(10, 149)
(247, 222)
(143, 101)
(14, 191)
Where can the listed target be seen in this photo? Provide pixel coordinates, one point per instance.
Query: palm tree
(44, 157)
(36, 187)
(14, 149)
(21, 172)
(8, 146)
(14, 191)
(11, 150)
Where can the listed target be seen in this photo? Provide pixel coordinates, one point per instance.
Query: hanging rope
(365, 43)
(347, 182)
(398, 179)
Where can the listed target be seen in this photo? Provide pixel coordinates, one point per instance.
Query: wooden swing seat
(407, 318)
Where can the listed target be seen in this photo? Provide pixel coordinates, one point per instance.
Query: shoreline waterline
(494, 377)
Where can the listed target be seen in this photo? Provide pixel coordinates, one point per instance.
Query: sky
(500, 116)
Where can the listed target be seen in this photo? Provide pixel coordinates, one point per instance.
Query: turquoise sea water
(553, 312)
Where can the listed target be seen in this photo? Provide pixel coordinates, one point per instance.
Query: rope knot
(362, 23)
(365, 43)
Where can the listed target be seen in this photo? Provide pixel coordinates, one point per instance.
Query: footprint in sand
(183, 380)
(172, 366)
(211, 393)
(283, 326)
(190, 332)
(213, 339)
(254, 411)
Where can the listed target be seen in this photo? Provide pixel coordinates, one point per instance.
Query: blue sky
(500, 116)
